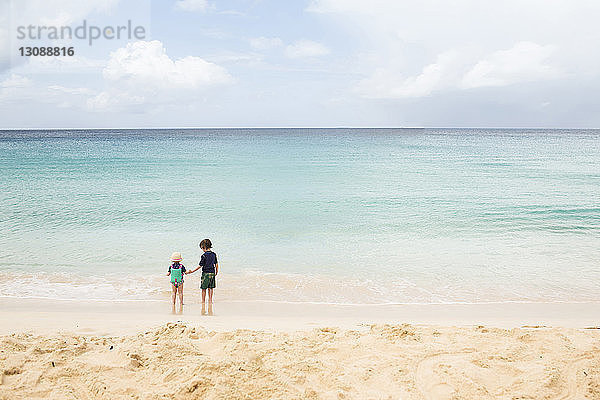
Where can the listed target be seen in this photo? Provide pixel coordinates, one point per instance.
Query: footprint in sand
(429, 383)
(448, 375)
(575, 388)
(441, 391)
(441, 377)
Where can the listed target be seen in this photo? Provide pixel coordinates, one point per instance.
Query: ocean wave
(260, 286)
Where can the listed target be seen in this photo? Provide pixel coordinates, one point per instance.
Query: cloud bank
(417, 48)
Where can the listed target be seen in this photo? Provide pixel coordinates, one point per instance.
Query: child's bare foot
(180, 312)
(210, 310)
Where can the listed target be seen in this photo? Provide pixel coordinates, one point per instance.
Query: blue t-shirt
(208, 261)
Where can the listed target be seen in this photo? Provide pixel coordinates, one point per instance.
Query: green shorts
(208, 281)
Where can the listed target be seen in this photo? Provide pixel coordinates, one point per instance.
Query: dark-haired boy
(210, 269)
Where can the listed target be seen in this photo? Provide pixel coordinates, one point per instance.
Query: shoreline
(291, 302)
(127, 317)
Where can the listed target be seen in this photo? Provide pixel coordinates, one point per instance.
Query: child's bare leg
(203, 301)
(210, 294)
(173, 297)
(180, 292)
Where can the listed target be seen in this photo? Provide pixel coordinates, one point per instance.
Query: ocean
(346, 216)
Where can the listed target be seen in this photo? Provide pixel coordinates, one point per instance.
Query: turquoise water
(320, 215)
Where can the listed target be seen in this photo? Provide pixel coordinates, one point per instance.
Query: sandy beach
(96, 350)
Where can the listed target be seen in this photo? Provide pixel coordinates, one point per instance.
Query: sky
(304, 63)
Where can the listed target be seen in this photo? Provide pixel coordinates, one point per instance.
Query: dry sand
(73, 351)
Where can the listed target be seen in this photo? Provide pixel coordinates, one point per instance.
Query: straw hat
(176, 256)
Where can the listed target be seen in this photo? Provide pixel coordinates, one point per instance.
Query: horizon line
(301, 127)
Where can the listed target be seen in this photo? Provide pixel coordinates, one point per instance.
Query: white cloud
(192, 5)
(390, 83)
(305, 49)
(265, 43)
(500, 43)
(460, 69)
(105, 101)
(16, 81)
(524, 62)
(15, 87)
(143, 72)
(72, 91)
(138, 75)
(19, 89)
(147, 64)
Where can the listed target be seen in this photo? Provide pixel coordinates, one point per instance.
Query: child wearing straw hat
(176, 271)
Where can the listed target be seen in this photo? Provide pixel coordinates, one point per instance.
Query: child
(210, 269)
(177, 271)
